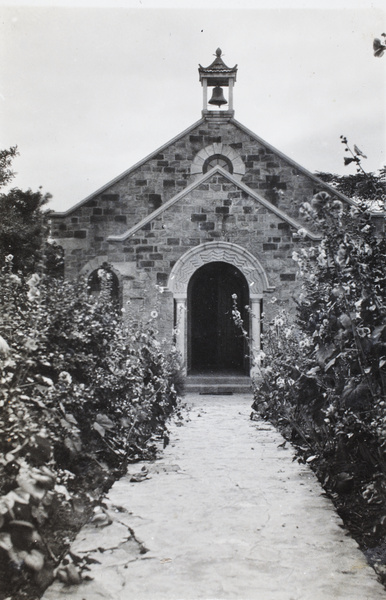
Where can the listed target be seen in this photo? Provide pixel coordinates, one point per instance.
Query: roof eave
(292, 162)
(128, 171)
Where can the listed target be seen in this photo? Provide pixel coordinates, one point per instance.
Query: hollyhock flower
(4, 348)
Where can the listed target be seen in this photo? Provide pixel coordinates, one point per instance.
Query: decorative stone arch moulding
(98, 262)
(218, 149)
(206, 253)
(226, 252)
(93, 264)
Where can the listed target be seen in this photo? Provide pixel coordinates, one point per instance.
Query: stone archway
(212, 252)
(227, 153)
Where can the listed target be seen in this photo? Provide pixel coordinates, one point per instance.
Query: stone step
(218, 384)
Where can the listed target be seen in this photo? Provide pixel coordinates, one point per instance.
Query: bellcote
(218, 76)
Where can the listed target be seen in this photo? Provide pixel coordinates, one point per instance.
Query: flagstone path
(224, 514)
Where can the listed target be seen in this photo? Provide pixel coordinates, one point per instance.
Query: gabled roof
(130, 170)
(216, 170)
(233, 121)
(292, 162)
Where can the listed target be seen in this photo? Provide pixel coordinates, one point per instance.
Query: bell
(217, 97)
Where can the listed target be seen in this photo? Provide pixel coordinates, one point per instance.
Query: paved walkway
(226, 513)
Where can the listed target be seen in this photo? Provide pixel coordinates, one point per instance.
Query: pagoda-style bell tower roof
(218, 75)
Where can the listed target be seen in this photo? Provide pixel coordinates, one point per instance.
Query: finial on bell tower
(218, 76)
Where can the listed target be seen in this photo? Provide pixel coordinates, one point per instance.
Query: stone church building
(213, 213)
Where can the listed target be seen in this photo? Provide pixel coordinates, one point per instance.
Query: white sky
(88, 91)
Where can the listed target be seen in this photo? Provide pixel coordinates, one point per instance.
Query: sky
(90, 88)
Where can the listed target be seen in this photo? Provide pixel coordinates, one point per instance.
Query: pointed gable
(235, 201)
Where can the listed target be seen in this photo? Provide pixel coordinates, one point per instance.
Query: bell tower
(217, 76)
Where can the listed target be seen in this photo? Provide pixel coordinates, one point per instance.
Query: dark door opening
(216, 344)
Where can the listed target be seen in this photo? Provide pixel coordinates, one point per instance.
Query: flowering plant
(82, 393)
(323, 380)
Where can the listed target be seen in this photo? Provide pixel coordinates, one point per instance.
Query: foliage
(23, 228)
(6, 157)
(361, 186)
(379, 46)
(324, 375)
(81, 394)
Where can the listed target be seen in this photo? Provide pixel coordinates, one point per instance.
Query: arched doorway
(215, 343)
(184, 270)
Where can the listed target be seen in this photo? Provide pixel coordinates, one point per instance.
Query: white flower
(9, 258)
(4, 348)
(295, 256)
(33, 291)
(31, 344)
(33, 280)
(65, 377)
(302, 232)
(154, 314)
(321, 259)
(15, 278)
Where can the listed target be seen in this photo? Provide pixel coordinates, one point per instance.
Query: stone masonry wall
(83, 231)
(216, 210)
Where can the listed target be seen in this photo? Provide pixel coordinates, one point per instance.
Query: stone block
(287, 277)
(144, 249)
(80, 234)
(209, 226)
(110, 197)
(146, 263)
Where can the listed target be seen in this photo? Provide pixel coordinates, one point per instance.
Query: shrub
(81, 394)
(323, 378)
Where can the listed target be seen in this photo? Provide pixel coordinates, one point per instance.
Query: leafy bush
(81, 394)
(323, 378)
